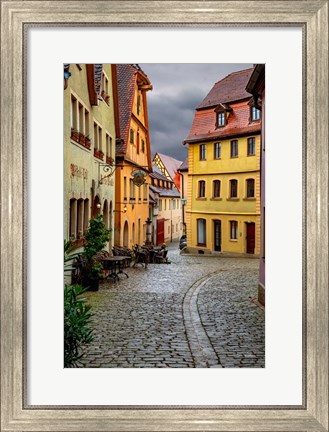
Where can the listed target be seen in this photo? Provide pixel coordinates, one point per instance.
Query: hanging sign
(138, 177)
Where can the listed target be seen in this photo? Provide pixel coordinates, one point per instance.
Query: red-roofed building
(167, 216)
(132, 154)
(169, 167)
(223, 202)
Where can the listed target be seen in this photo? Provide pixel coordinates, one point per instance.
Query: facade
(256, 86)
(223, 201)
(89, 140)
(167, 226)
(132, 154)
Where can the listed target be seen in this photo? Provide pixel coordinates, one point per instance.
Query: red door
(160, 231)
(250, 238)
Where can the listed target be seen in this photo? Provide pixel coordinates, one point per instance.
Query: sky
(177, 90)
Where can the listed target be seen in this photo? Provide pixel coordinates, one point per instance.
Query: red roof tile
(184, 165)
(171, 166)
(127, 76)
(229, 89)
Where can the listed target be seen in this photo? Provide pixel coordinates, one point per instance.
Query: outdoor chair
(161, 257)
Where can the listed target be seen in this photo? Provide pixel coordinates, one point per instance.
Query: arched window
(106, 214)
(216, 188)
(201, 232)
(80, 210)
(202, 189)
(233, 188)
(233, 230)
(86, 215)
(73, 219)
(250, 188)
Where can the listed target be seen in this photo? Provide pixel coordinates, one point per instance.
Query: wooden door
(250, 238)
(217, 235)
(160, 231)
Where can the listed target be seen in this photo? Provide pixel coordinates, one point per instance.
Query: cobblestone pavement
(195, 312)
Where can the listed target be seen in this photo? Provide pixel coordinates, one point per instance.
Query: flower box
(74, 135)
(99, 154)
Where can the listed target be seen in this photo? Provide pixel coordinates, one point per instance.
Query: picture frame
(312, 17)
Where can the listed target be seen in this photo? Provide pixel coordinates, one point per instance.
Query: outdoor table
(115, 265)
(153, 252)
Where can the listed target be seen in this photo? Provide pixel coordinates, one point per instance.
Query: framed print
(291, 37)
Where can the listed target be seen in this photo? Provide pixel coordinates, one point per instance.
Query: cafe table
(115, 266)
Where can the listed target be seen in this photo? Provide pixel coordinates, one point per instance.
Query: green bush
(77, 318)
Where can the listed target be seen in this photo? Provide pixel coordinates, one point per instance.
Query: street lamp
(121, 211)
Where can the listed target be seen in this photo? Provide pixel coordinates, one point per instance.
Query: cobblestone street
(197, 311)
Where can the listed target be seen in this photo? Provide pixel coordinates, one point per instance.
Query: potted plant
(96, 237)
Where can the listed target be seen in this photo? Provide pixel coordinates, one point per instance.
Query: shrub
(77, 318)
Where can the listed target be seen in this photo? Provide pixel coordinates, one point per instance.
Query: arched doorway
(133, 233)
(106, 214)
(217, 235)
(96, 206)
(125, 234)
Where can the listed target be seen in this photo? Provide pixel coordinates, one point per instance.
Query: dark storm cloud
(177, 90)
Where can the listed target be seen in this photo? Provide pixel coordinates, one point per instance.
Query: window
(74, 113)
(202, 189)
(233, 188)
(250, 188)
(255, 113)
(108, 144)
(79, 217)
(165, 204)
(98, 133)
(201, 232)
(216, 188)
(233, 230)
(234, 148)
(137, 149)
(217, 150)
(132, 190)
(143, 146)
(131, 136)
(160, 204)
(138, 104)
(105, 88)
(220, 119)
(145, 192)
(73, 219)
(79, 121)
(251, 149)
(203, 152)
(124, 187)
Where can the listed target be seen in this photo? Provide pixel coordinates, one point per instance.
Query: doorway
(250, 238)
(217, 235)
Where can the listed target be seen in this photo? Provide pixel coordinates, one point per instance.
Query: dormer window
(255, 113)
(222, 114)
(220, 119)
(255, 105)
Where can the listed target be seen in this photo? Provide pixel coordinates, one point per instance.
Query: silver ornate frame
(312, 16)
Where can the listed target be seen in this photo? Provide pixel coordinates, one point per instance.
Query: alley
(197, 311)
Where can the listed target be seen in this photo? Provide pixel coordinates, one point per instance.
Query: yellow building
(223, 201)
(132, 154)
(89, 142)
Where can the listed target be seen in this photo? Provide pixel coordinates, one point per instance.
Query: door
(250, 238)
(160, 231)
(217, 235)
